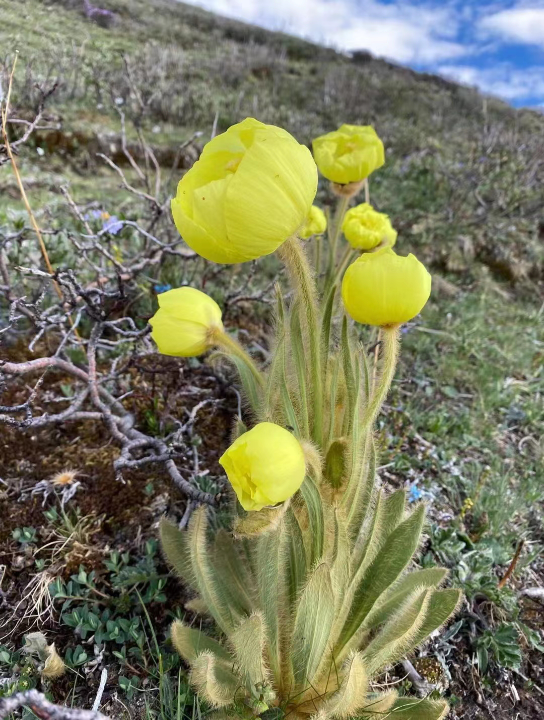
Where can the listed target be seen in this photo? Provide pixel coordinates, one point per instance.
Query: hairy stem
(303, 283)
(390, 352)
(226, 342)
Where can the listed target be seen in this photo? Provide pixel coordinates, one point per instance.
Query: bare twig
(44, 709)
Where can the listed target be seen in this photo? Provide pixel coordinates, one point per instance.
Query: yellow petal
(365, 228)
(315, 224)
(349, 154)
(383, 288)
(200, 240)
(270, 195)
(265, 466)
(182, 323)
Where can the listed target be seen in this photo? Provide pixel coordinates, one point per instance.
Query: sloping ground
(463, 172)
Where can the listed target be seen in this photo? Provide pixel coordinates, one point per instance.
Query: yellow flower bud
(265, 466)
(365, 228)
(383, 288)
(251, 190)
(349, 154)
(184, 321)
(316, 223)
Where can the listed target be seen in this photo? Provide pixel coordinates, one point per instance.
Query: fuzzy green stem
(303, 283)
(219, 338)
(390, 353)
(334, 235)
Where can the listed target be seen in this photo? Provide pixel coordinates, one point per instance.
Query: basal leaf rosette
(385, 289)
(251, 189)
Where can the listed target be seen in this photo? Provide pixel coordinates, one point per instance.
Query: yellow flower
(316, 223)
(349, 154)
(265, 466)
(251, 189)
(383, 288)
(365, 228)
(183, 322)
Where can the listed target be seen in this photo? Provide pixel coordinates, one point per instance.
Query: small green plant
(107, 608)
(501, 645)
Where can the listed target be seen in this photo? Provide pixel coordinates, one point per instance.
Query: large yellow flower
(265, 466)
(365, 228)
(383, 288)
(252, 188)
(183, 322)
(349, 154)
(316, 223)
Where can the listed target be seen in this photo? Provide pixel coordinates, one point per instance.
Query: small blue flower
(113, 225)
(93, 215)
(414, 494)
(161, 288)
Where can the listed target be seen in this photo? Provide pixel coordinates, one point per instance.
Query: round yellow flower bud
(316, 223)
(383, 288)
(265, 466)
(182, 324)
(349, 154)
(251, 189)
(365, 228)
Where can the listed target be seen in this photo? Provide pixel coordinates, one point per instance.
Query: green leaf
(248, 643)
(313, 622)
(383, 572)
(349, 376)
(388, 513)
(442, 605)
(190, 642)
(206, 577)
(212, 681)
(406, 708)
(299, 360)
(176, 549)
(297, 555)
(392, 599)
(271, 557)
(396, 637)
(316, 532)
(232, 573)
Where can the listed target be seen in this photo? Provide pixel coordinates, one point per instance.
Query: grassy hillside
(463, 175)
(465, 425)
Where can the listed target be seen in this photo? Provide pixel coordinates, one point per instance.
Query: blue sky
(497, 46)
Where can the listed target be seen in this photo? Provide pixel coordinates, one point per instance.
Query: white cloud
(502, 80)
(519, 24)
(401, 31)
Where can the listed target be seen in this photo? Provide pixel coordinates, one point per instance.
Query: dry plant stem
(226, 342)
(390, 352)
(509, 572)
(303, 283)
(43, 709)
(35, 225)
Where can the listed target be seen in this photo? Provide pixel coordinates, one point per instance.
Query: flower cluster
(252, 190)
(316, 580)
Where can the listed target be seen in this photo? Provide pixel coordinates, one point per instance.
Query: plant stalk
(219, 338)
(303, 283)
(390, 353)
